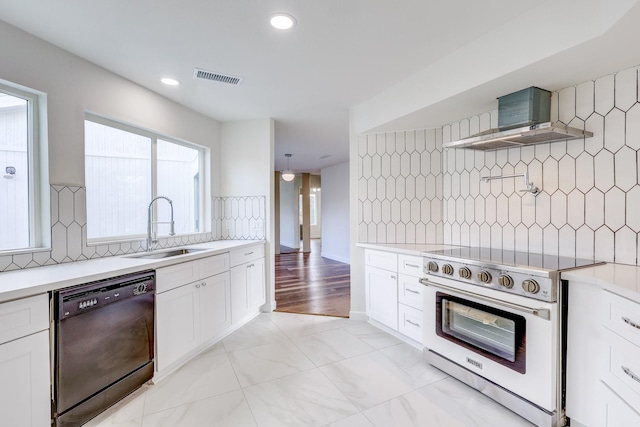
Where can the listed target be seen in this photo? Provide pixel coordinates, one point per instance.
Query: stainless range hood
(523, 119)
(494, 139)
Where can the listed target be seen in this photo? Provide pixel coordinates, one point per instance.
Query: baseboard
(336, 258)
(360, 316)
(406, 339)
(268, 307)
(290, 245)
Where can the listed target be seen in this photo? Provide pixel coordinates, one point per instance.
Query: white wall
(246, 169)
(289, 213)
(335, 212)
(74, 85)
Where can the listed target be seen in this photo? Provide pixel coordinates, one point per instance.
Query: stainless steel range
(498, 325)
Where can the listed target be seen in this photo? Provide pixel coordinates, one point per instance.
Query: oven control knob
(447, 269)
(505, 281)
(432, 266)
(484, 276)
(530, 286)
(465, 273)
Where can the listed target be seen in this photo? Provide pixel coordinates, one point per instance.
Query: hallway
(309, 284)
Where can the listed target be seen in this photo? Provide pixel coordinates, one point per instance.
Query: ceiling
(340, 54)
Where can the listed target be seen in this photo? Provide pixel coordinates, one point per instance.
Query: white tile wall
(69, 231)
(400, 187)
(590, 188)
(239, 218)
(590, 200)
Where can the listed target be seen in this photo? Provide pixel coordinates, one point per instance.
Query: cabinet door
(615, 412)
(177, 324)
(584, 351)
(256, 283)
(382, 296)
(215, 306)
(240, 304)
(24, 381)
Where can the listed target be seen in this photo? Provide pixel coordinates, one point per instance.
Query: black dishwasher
(103, 344)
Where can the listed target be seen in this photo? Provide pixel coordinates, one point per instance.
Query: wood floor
(308, 283)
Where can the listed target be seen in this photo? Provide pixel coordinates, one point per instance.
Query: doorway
(310, 284)
(306, 282)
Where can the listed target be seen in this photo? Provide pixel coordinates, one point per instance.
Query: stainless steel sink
(166, 254)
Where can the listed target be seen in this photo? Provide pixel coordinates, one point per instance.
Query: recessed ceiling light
(169, 81)
(282, 21)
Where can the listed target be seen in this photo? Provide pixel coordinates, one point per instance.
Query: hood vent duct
(217, 77)
(523, 119)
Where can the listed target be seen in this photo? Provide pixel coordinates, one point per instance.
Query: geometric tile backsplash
(239, 218)
(69, 233)
(589, 205)
(400, 187)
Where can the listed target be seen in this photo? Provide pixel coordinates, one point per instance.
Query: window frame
(154, 136)
(37, 165)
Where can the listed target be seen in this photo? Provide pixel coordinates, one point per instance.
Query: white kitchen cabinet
(247, 282)
(381, 259)
(177, 324)
(193, 308)
(215, 306)
(615, 412)
(247, 289)
(603, 349)
(176, 275)
(24, 362)
(382, 296)
(410, 322)
(190, 316)
(394, 293)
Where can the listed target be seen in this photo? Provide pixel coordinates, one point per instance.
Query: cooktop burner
(513, 259)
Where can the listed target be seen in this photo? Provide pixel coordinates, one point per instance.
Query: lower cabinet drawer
(22, 317)
(410, 322)
(622, 369)
(410, 291)
(244, 255)
(410, 264)
(379, 259)
(622, 316)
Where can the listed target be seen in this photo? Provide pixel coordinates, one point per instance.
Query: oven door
(497, 334)
(507, 339)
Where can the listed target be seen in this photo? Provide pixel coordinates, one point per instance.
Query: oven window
(494, 333)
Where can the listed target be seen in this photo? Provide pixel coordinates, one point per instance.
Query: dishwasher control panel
(76, 300)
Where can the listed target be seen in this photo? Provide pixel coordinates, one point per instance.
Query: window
(23, 207)
(125, 168)
(313, 218)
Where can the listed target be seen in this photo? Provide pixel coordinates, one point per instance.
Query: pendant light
(287, 174)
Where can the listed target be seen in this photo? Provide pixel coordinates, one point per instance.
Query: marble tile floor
(285, 369)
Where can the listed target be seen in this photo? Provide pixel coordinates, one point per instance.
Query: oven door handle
(544, 313)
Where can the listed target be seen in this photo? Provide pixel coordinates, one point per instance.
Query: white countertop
(32, 281)
(621, 279)
(406, 248)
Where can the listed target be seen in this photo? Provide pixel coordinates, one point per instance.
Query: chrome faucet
(152, 240)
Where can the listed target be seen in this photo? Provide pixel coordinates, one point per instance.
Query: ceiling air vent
(217, 77)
